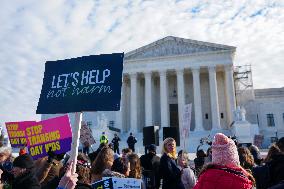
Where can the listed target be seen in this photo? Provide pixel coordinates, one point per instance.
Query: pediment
(174, 46)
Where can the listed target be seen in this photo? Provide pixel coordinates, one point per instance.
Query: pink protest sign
(16, 132)
(53, 134)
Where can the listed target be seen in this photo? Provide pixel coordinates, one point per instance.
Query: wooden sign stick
(75, 140)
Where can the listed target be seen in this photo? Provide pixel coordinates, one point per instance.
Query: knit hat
(152, 147)
(224, 151)
(24, 161)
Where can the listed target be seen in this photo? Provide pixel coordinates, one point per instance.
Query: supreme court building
(161, 77)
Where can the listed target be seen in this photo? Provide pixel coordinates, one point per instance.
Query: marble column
(197, 98)
(230, 93)
(164, 99)
(133, 102)
(214, 98)
(181, 96)
(121, 112)
(148, 99)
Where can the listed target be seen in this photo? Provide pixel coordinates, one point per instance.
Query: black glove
(51, 155)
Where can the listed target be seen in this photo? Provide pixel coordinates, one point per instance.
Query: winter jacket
(47, 171)
(131, 141)
(150, 164)
(188, 178)
(220, 177)
(115, 141)
(271, 173)
(170, 173)
(26, 181)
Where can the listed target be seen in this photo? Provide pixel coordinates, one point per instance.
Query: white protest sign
(186, 120)
(125, 183)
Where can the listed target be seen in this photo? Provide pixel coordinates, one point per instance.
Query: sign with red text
(52, 134)
(17, 132)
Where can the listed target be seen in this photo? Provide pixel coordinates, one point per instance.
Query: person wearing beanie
(224, 171)
(23, 172)
(170, 173)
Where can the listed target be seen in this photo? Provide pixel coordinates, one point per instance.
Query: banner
(86, 134)
(186, 120)
(91, 83)
(17, 132)
(117, 183)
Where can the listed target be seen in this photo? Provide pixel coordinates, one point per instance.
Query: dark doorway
(174, 115)
(174, 120)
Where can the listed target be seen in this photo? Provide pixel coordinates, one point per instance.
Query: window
(206, 116)
(111, 124)
(222, 115)
(270, 120)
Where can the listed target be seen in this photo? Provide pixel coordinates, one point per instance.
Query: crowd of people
(225, 165)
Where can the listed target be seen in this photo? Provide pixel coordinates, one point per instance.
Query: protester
(86, 147)
(23, 172)
(273, 150)
(6, 164)
(120, 169)
(150, 163)
(48, 167)
(94, 154)
(271, 173)
(208, 158)
(135, 166)
(256, 154)
(169, 171)
(131, 142)
(69, 180)
(187, 177)
(103, 161)
(115, 142)
(225, 170)
(103, 138)
(125, 153)
(83, 171)
(199, 160)
(246, 159)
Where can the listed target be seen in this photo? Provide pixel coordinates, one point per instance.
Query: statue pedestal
(244, 131)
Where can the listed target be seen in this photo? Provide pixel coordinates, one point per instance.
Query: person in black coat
(115, 142)
(150, 163)
(169, 171)
(131, 142)
(23, 172)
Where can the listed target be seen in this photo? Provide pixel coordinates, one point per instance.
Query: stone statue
(243, 114)
(237, 114)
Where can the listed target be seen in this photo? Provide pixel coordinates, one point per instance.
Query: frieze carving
(171, 46)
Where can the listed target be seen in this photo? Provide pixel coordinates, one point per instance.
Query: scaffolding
(243, 84)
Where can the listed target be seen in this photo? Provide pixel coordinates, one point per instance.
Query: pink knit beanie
(224, 151)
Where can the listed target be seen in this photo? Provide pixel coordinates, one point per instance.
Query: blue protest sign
(91, 83)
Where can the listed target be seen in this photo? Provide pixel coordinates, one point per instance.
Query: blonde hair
(173, 154)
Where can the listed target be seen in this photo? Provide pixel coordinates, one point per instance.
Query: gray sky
(33, 32)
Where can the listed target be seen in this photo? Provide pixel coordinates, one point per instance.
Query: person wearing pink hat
(225, 171)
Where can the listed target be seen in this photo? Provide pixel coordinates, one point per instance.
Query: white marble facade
(177, 71)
